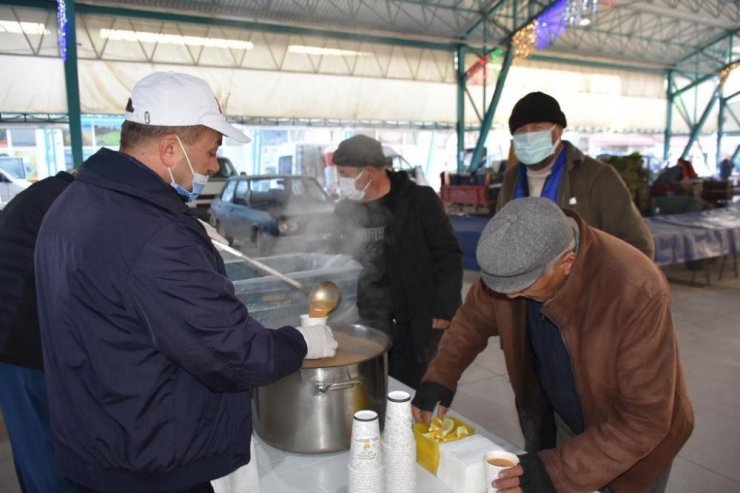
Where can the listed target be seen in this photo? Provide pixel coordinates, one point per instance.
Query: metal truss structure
(690, 41)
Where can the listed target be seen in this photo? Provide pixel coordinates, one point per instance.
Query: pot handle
(346, 384)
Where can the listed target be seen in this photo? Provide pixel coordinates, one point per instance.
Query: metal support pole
(696, 129)
(668, 115)
(73, 85)
(720, 129)
(460, 127)
(488, 118)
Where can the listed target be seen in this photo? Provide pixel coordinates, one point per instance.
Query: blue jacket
(150, 357)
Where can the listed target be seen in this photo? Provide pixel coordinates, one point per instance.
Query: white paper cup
(362, 481)
(398, 430)
(365, 448)
(494, 462)
(400, 469)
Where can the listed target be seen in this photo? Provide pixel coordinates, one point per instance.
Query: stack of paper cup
(399, 446)
(365, 455)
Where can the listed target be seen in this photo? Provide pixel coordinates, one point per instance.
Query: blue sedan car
(268, 211)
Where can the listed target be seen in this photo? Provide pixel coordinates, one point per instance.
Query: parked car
(213, 188)
(396, 162)
(11, 185)
(260, 210)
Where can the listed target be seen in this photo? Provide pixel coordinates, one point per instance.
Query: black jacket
(150, 357)
(423, 260)
(20, 342)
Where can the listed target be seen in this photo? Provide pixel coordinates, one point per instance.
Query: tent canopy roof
(660, 34)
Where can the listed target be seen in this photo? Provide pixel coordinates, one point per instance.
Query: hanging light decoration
(727, 70)
(525, 40)
(580, 12)
(553, 22)
(497, 56)
(62, 33)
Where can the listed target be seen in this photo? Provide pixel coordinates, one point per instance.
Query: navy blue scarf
(552, 183)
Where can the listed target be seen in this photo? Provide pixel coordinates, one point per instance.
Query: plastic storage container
(275, 303)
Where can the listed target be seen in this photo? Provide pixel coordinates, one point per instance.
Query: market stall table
(693, 236)
(286, 472)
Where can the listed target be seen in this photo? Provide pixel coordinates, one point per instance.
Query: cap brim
(226, 129)
(513, 284)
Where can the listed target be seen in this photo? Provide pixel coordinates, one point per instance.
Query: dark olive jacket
(597, 193)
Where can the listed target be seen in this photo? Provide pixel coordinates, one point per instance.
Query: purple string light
(62, 34)
(551, 24)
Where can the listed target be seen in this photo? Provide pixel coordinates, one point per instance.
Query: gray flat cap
(519, 241)
(359, 151)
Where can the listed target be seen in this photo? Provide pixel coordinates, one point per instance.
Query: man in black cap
(585, 325)
(555, 169)
(411, 279)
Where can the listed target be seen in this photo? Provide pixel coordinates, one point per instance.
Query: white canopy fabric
(605, 101)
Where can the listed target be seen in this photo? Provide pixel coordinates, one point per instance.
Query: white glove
(319, 338)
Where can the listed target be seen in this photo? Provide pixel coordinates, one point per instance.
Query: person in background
(686, 168)
(411, 260)
(150, 357)
(677, 180)
(557, 170)
(591, 353)
(22, 384)
(726, 167)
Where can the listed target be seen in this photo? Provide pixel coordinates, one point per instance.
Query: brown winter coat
(601, 198)
(614, 315)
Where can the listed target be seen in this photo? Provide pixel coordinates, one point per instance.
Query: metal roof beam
(676, 13)
(243, 24)
(700, 51)
(572, 57)
(483, 18)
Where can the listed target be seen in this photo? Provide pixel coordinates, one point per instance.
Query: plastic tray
(275, 303)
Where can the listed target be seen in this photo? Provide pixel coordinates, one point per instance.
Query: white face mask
(534, 147)
(348, 189)
(199, 181)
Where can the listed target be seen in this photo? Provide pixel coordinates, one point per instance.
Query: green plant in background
(635, 176)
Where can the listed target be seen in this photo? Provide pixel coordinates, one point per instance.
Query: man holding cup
(591, 352)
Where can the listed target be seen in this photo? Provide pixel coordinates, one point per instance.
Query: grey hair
(134, 134)
(570, 248)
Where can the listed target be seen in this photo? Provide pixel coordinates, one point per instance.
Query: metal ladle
(325, 292)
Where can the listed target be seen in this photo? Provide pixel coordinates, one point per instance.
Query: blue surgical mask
(534, 147)
(348, 189)
(199, 181)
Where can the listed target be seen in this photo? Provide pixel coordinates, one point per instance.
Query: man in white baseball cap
(150, 357)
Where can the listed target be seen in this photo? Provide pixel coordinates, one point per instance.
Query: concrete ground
(707, 319)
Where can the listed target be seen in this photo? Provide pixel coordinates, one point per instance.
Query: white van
(11, 185)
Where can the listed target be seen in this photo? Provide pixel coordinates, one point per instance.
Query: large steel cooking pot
(311, 410)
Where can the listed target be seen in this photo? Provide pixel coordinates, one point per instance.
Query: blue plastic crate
(275, 303)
